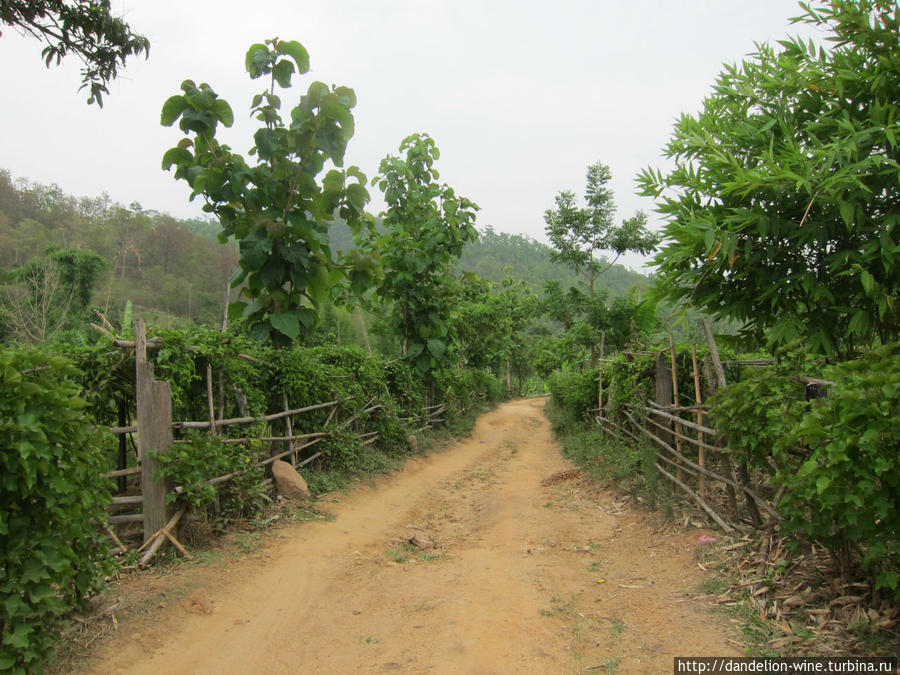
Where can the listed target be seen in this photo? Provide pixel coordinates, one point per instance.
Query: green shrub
(53, 557)
(191, 465)
(844, 490)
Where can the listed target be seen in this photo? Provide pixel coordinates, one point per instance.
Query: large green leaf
(286, 323)
(176, 156)
(282, 73)
(172, 109)
(223, 112)
(257, 60)
(297, 52)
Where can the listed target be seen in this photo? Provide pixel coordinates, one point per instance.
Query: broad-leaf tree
(580, 234)
(424, 228)
(85, 28)
(782, 207)
(277, 208)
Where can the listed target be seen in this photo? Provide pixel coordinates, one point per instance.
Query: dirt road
(504, 575)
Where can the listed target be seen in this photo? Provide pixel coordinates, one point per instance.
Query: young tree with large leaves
(85, 28)
(276, 208)
(425, 227)
(782, 207)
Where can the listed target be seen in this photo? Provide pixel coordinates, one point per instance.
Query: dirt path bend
(510, 571)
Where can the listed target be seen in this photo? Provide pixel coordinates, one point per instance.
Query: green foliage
(579, 234)
(191, 465)
(425, 226)
(496, 255)
(491, 321)
(53, 557)
(50, 294)
(845, 487)
(277, 209)
(85, 28)
(836, 457)
(756, 413)
(781, 206)
(171, 276)
(574, 393)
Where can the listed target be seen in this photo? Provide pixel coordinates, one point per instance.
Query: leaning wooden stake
(706, 507)
(159, 537)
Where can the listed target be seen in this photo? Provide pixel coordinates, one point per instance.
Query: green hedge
(52, 557)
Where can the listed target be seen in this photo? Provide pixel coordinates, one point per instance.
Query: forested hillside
(148, 257)
(495, 255)
(177, 270)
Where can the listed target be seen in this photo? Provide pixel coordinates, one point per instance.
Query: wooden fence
(154, 434)
(664, 423)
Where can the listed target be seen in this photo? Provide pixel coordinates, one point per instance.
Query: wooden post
(698, 396)
(663, 388)
(741, 473)
(600, 372)
(154, 421)
(678, 430)
(210, 403)
(712, 385)
(289, 426)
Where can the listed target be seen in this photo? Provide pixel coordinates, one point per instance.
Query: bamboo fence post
(663, 385)
(210, 403)
(712, 385)
(698, 396)
(741, 471)
(289, 426)
(600, 372)
(678, 430)
(221, 378)
(154, 421)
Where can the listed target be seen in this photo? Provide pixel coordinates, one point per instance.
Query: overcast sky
(519, 96)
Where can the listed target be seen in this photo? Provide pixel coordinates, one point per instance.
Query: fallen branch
(706, 507)
(156, 540)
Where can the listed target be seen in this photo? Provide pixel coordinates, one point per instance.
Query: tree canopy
(580, 233)
(85, 28)
(425, 227)
(782, 207)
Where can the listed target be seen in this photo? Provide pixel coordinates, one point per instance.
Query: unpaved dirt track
(510, 576)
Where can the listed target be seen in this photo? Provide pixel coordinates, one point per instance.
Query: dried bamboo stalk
(690, 425)
(712, 474)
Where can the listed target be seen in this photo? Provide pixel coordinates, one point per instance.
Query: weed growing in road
(401, 555)
(371, 640)
(618, 627)
(714, 586)
(611, 665)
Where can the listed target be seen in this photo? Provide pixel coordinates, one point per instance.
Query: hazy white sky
(520, 96)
